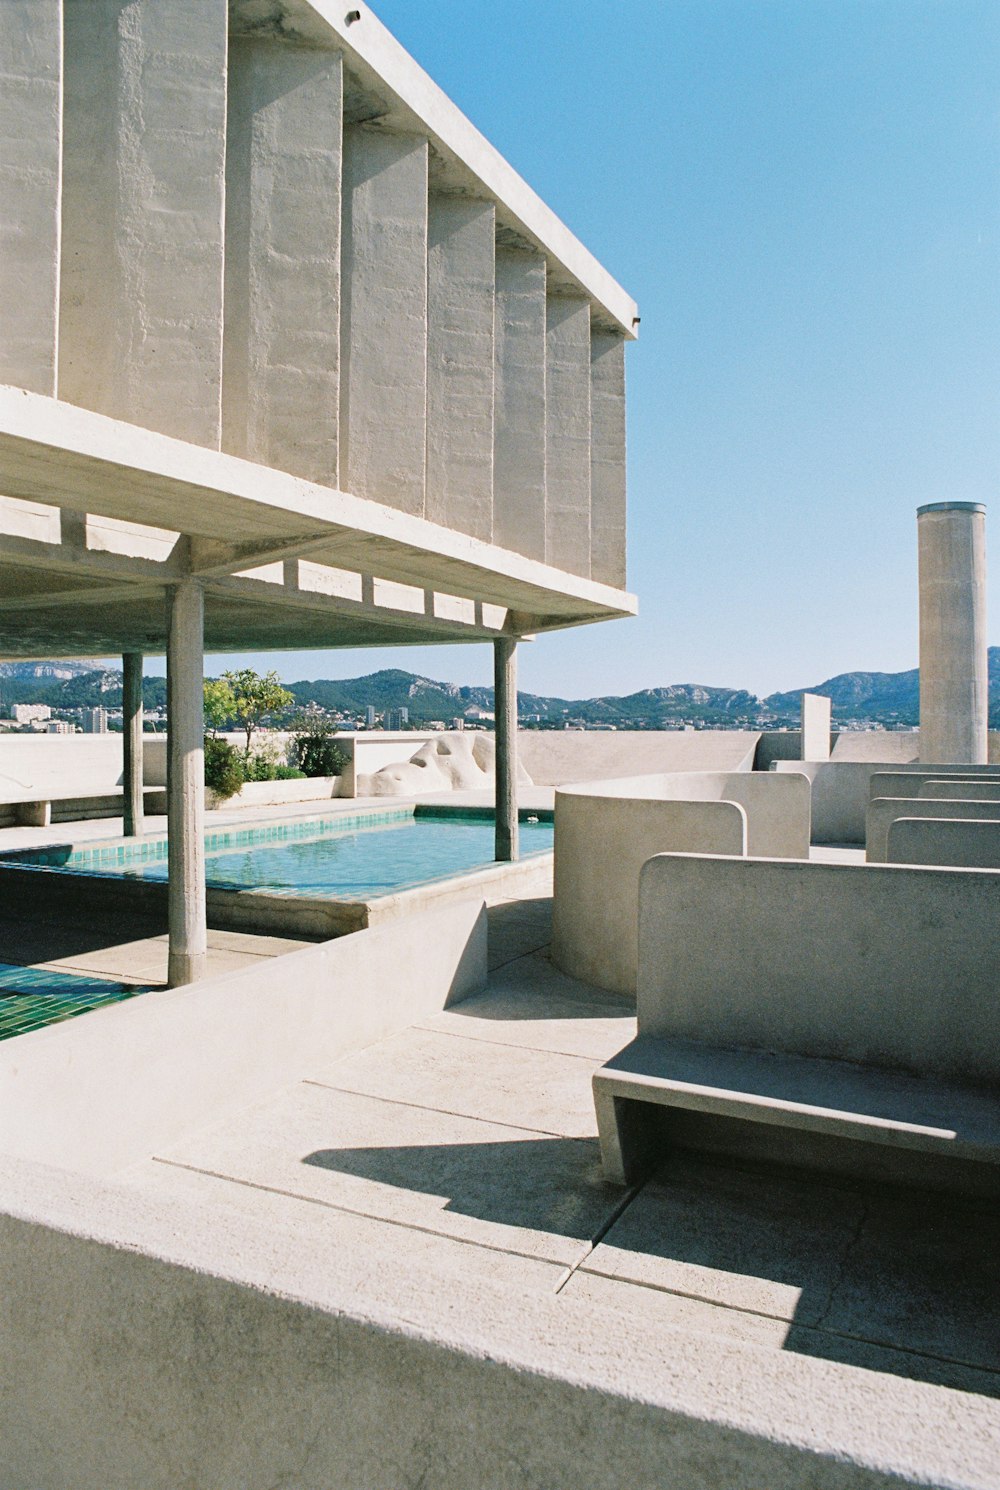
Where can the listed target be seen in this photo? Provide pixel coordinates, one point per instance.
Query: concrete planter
(274, 793)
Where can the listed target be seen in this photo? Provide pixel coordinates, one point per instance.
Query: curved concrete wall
(606, 830)
(884, 811)
(947, 842)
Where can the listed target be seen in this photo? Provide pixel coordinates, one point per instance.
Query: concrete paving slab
(517, 927)
(483, 1183)
(672, 1311)
(745, 1238)
(522, 1088)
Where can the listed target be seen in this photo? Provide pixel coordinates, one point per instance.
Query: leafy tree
(220, 704)
(223, 768)
(314, 750)
(254, 697)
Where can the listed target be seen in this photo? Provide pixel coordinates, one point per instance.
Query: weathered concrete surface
(460, 372)
(519, 429)
(906, 781)
(884, 811)
(281, 359)
(954, 691)
(842, 788)
(968, 844)
(815, 733)
(186, 783)
(556, 757)
(607, 457)
(140, 335)
(30, 171)
(601, 845)
(987, 789)
(567, 434)
(890, 967)
(383, 369)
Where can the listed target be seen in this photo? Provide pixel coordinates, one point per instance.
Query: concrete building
(26, 713)
(95, 721)
(291, 357)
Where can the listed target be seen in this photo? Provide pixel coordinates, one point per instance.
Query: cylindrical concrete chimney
(953, 675)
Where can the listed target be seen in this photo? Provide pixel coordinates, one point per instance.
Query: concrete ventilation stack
(953, 665)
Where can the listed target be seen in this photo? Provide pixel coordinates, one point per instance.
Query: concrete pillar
(30, 168)
(505, 709)
(186, 784)
(383, 370)
(460, 301)
(519, 441)
(143, 210)
(132, 742)
(281, 356)
(567, 434)
(954, 702)
(607, 458)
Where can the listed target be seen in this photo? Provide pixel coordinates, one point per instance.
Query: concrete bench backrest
(885, 810)
(956, 843)
(892, 967)
(60, 764)
(984, 790)
(906, 781)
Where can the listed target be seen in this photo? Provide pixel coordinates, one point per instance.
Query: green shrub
(313, 748)
(223, 768)
(289, 773)
(259, 768)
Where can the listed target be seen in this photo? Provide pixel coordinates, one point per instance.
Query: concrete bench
(884, 811)
(34, 808)
(972, 843)
(834, 1015)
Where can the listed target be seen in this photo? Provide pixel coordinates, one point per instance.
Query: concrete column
(954, 702)
(460, 297)
(281, 356)
(132, 742)
(383, 372)
(505, 708)
(607, 457)
(567, 434)
(519, 441)
(143, 211)
(186, 784)
(30, 168)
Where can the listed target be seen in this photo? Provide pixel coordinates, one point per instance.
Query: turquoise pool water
(351, 859)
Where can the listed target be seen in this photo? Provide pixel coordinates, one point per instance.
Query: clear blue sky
(804, 198)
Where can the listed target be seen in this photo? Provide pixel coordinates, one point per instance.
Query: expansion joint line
(600, 1234)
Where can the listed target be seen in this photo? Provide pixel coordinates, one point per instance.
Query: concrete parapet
(902, 781)
(100, 1093)
(884, 811)
(956, 843)
(842, 789)
(985, 790)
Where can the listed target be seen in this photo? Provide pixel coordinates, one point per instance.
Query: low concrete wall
(841, 790)
(884, 811)
(98, 1093)
(601, 845)
(560, 757)
(891, 967)
(276, 793)
(985, 790)
(903, 781)
(974, 844)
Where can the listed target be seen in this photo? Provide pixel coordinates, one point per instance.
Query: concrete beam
(505, 706)
(567, 434)
(519, 439)
(186, 785)
(132, 742)
(281, 359)
(460, 307)
(607, 458)
(143, 207)
(30, 172)
(383, 384)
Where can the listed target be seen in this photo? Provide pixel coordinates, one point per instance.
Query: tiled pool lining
(93, 887)
(31, 997)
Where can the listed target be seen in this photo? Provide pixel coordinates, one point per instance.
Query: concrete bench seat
(34, 809)
(839, 1099)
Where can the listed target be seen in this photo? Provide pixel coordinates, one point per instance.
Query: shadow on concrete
(544, 1184)
(48, 937)
(517, 928)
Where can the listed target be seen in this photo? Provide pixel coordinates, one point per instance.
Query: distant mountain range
(883, 698)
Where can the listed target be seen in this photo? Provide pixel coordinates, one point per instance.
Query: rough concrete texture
(954, 691)
(814, 737)
(281, 357)
(884, 811)
(30, 169)
(607, 457)
(186, 790)
(383, 370)
(446, 762)
(890, 967)
(140, 335)
(601, 845)
(460, 304)
(973, 843)
(567, 434)
(519, 429)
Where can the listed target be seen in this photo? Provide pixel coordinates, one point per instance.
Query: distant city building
(370, 717)
(397, 718)
(25, 713)
(59, 727)
(95, 721)
(458, 723)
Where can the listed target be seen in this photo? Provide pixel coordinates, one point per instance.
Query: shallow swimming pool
(339, 857)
